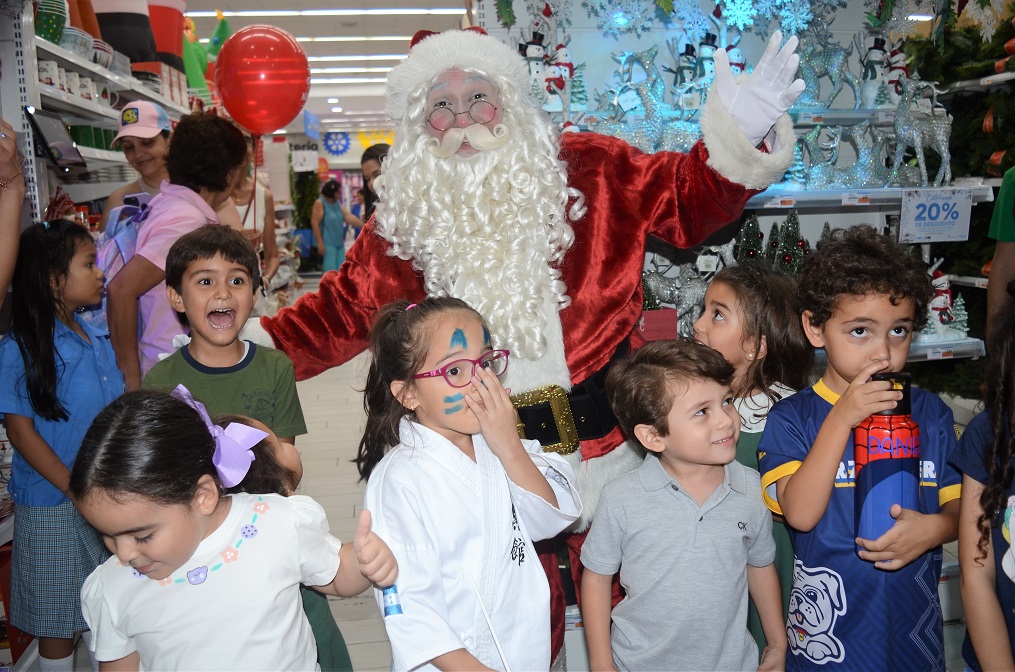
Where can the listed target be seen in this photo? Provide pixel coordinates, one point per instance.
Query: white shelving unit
(823, 199)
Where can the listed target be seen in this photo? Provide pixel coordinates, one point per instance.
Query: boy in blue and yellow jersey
(862, 297)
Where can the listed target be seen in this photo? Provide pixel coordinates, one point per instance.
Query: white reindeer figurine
(919, 131)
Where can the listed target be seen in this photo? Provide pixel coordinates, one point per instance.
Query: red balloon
(263, 78)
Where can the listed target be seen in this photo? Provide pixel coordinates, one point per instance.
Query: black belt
(559, 420)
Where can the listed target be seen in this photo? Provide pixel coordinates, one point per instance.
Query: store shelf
(75, 109)
(47, 51)
(968, 281)
(102, 158)
(970, 348)
(82, 192)
(842, 117)
(981, 84)
(775, 198)
(138, 91)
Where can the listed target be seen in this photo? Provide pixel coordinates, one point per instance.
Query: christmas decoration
(796, 175)
(621, 17)
(986, 16)
(336, 143)
(919, 132)
(684, 62)
(960, 322)
(826, 235)
(820, 157)
(751, 242)
(791, 247)
(820, 57)
(773, 244)
(868, 171)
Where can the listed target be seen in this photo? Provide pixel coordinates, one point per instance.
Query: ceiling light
(348, 80)
(919, 17)
(253, 13)
(336, 109)
(346, 71)
(358, 57)
(332, 101)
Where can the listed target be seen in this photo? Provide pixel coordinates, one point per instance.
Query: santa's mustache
(477, 135)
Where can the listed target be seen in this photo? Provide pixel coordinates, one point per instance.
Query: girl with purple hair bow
(200, 578)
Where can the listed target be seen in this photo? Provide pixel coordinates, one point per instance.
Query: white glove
(758, 101)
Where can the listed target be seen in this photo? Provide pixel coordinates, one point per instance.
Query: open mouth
(223, 318)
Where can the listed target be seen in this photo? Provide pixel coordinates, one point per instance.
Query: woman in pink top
(205, 162)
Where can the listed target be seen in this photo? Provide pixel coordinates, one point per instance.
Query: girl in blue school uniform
(58, 373)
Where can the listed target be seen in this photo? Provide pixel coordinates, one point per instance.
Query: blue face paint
(454, 398)
(458, 339)
(486, 337)
(453, 409)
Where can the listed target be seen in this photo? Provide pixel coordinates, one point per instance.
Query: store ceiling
(356, 46)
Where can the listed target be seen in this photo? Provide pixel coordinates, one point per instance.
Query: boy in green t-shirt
(212, 276)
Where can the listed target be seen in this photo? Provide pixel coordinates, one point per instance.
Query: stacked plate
(120, 65)
(102, 53)
(149, 80)
(50, 20)
(77, 41)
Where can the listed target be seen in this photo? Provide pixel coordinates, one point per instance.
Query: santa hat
(939, 280)
(433, 54)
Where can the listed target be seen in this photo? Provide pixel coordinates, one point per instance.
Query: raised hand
(758, 101)
(497, 419)
(864, 396)
(376, 561)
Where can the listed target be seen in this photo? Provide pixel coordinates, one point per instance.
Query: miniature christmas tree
(790, 252)
(773, 245)
(883, 96)
(538, 91)
(961, 321)
(826, 235)
(797, 172)
(579, 93)
(751, 242)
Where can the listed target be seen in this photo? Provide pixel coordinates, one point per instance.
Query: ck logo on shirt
(742, 525)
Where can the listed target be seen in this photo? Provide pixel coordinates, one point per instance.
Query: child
(986, 457)
(202, 579)
(751, 316)
(456, 493)
(687, 530)
(862, 298)
(212, 275)
(58, 373)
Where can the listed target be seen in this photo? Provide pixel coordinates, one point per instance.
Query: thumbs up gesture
(376, 561)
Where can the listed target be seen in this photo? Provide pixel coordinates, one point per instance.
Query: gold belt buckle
(561, 411)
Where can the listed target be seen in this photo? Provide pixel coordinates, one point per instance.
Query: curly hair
(859, 262)
(641, 387)
(205, 148)
(1001, 405)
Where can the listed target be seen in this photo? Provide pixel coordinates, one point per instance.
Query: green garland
(885, 12)
(506, 13)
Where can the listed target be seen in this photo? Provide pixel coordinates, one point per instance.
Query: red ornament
(263, 78)
(786, 258)
(800, 243)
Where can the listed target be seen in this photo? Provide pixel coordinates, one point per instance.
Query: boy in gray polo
(688, 529)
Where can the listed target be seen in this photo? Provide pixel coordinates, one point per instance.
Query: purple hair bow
(233, 444)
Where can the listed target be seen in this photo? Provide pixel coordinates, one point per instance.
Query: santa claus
(544, 233)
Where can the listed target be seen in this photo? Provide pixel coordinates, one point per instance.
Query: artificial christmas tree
(751, 242)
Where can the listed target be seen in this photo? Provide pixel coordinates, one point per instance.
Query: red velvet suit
(629, 195)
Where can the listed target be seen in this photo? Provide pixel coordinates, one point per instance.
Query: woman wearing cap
(328, 219)
(143, 133)
(205, 162)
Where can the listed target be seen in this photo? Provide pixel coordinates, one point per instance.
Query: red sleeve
(329, 327)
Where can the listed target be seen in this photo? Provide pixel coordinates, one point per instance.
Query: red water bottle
(886, 456)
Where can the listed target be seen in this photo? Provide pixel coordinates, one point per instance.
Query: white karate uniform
(463, 533)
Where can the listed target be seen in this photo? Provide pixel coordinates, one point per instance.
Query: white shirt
(462, 534)
(235, 605)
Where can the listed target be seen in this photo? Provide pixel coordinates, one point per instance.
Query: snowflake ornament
(695, 25)
(795, 16)
(739, 14)
(622, 17)
(985, 18)
(336, 143)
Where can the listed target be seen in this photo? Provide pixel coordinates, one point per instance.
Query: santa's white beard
(488, 229)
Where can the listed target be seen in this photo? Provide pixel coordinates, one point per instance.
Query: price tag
(987, 81)
(886, 116)
(924, 105)
(708, 263)
(780, 202)
(935, 215)
(856, 199)
(812, 118)
(691, 101)
(628, 100)
(940, 353)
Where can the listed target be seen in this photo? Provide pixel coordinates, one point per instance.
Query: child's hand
(865, 397)
(773, 659)
(376, 561)
(497, 418)
(908, 539)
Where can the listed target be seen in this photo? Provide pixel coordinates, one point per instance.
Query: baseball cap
(141, 119)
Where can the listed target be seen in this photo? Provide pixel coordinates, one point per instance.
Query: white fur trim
(731, 155)
(461, 49)
(591, 476)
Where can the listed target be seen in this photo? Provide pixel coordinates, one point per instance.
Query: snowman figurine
(738, 64)
(704, 70)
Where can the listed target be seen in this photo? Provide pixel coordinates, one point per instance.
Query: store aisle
(333, 408)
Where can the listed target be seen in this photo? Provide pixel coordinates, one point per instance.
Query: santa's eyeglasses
(443, 118)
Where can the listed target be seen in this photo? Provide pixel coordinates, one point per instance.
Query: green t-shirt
(1002, 224)
(262, 386)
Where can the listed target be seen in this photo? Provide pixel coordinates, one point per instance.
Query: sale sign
(935, 215)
